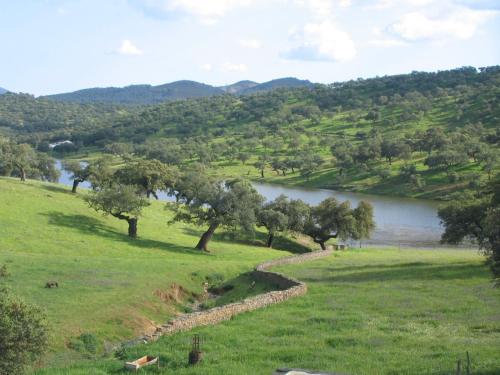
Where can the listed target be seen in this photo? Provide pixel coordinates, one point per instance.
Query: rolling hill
(279, 83)
(178, 90)
(238, 87)
(140, 94)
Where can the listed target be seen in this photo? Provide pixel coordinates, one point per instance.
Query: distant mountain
(147, 94)
(238, 87)
(3, 91)
(140, 94)
(288, 82)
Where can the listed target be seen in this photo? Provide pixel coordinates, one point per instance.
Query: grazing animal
(52, 284)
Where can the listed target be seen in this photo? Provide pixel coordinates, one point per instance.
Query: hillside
(2, 90)
(280, 83)
(367, 311)
(422, 134)
(109, 286)
(139, 94)
(147, 94)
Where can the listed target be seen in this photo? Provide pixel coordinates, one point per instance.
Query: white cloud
(383, 4)
(387, 42)
(230, 67)
(322, 42)
(321, 8)
(250, 43)
(207, 11)
(206, 67)
(461, 23)
(128, 48)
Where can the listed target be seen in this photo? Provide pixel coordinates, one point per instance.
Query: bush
(215, 278)
(23, 334)
(384, 173)
(4, 272)
(85, 343)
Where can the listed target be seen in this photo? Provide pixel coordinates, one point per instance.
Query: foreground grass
(370, 311)
(109, 286)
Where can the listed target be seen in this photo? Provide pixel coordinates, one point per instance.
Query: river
(399, 221)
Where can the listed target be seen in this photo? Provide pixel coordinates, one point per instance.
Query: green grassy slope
(109, 286)
(437, 184)
(372, 311)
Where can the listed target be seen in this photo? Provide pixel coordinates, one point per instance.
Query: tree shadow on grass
(402, 272)
(257, 239)
(91, 226)
(57, 189)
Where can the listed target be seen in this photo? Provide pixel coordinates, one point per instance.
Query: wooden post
(468, 364)
(459, 368)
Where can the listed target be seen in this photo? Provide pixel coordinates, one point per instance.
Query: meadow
(368, 311)
(109, 286)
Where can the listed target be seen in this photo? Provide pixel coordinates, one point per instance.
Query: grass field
(368, 311)
(110, 286)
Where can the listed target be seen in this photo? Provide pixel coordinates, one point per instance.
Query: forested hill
(418, 134)
(2, 90)
(140, 94)
(147, 94)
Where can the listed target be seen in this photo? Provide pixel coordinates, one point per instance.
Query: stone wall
(291, 288)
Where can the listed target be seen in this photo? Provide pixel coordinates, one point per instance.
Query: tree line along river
(399, 221)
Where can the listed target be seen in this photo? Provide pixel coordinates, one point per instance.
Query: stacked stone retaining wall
(290, 288)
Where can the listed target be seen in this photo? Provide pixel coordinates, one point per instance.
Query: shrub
(23, 334)
(85, 343)
(4, 272)
(215, 278)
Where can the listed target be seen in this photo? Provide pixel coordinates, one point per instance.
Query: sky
(53, 46)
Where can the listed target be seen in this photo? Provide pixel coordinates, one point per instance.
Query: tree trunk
(206, 237)
(150, 193)
(23, 174)
(270, 240)
(132, 227)
(75, 185)
(320, 243)
(262, 173)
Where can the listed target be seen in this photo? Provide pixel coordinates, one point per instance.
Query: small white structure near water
(66, 142)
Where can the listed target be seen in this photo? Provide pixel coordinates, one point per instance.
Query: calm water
(400, 221)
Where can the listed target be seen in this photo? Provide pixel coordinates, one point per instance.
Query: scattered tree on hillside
(310, 164)
(331, 219)
(120, 201)
(394, 148)
(149, 176)
(243, 157)
(261, 163)
(281, 215)
(23, 334)
(80, 172)
(365, 223)
(477, 218)
(233, 204)
(23, 161)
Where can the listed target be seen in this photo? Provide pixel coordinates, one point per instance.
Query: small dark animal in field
(52, 284)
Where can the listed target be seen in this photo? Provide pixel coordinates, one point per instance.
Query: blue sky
(51, 46)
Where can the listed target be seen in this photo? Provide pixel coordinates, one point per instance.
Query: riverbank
(399, 221)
